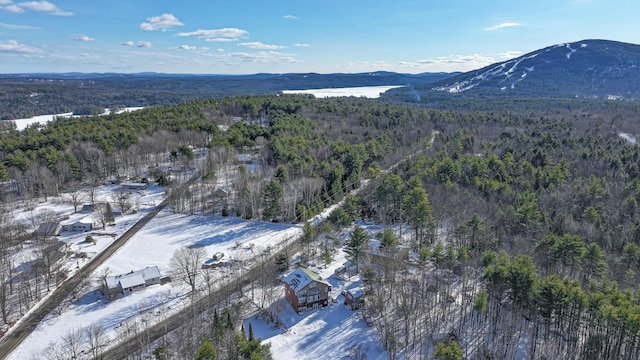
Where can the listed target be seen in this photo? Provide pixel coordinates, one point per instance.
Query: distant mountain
(583, 69)
(267, 82)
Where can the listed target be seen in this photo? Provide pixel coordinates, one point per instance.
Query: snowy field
(372, 92)
(22, 124)
(154, 245)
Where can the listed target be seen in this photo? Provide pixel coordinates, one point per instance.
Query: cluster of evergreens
(543, 199)
(547, 205)
(221, 342)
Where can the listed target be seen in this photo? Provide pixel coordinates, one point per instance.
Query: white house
(132, 281)
(83, 224)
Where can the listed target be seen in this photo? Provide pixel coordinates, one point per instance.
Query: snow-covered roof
(86, 220)
(131, 280)
(112, 282)
(356, 292)
(150, 272)
(302, 277)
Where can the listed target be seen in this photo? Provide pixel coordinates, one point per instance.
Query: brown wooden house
(306, 290)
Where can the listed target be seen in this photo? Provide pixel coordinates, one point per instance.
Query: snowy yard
(326, 333)
(154, 245)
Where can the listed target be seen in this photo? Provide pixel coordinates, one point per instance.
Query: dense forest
(523, 214)
(24, 96)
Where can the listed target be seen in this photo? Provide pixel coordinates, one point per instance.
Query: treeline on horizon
(543, 200)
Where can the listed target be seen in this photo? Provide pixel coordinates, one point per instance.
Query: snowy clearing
(22, 124)
(372, 92)
(154, 245)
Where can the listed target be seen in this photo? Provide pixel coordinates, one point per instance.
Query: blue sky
(279, 36)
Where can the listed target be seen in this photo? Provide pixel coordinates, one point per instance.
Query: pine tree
(206, 351)
(229, 324)
(448, 352)
(356, 244)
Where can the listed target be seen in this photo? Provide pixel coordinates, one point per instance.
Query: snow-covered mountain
(588, 68)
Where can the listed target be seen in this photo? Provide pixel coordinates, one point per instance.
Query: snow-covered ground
(333, 332)
(327, 333)
(154, 246)
(372, 92)
(22, 124)
(630, 138)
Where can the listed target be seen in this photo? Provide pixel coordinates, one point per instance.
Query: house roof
(83, 219)
(356, 292)
(131, 280)
(86, 220)
(112, 282)
(134, 278)
(49, 228)
(302, 277)
(150, 272)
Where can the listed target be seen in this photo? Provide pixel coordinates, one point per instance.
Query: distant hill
(582, 69)
(26, 95)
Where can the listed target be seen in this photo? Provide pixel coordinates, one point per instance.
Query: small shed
(354, 298)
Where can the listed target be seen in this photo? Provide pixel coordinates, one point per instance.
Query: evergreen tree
(448, 352)
(206, 351)
(417, 210)
(356, 244)
(271, 196)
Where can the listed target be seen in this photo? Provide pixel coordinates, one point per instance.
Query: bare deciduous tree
(104, 214)
(72, 342)
(75, 198)
(123, 199)
(97, 338)
(186, 265)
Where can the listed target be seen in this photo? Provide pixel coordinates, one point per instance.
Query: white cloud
(220, 50)
(163, 22)
(301, 45)
(184, 47)
(144, 44)
(5, 2)
(14, 47)
(510, 54)
(44, 6)
(503, 25)
(217, 35)
(12, 8)
(261, 46)
(128, 43)
(265, 57)
(18, 27)
(84, 38)
(460, 59)
(290, 17)
(363, 66)
(465, 62)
